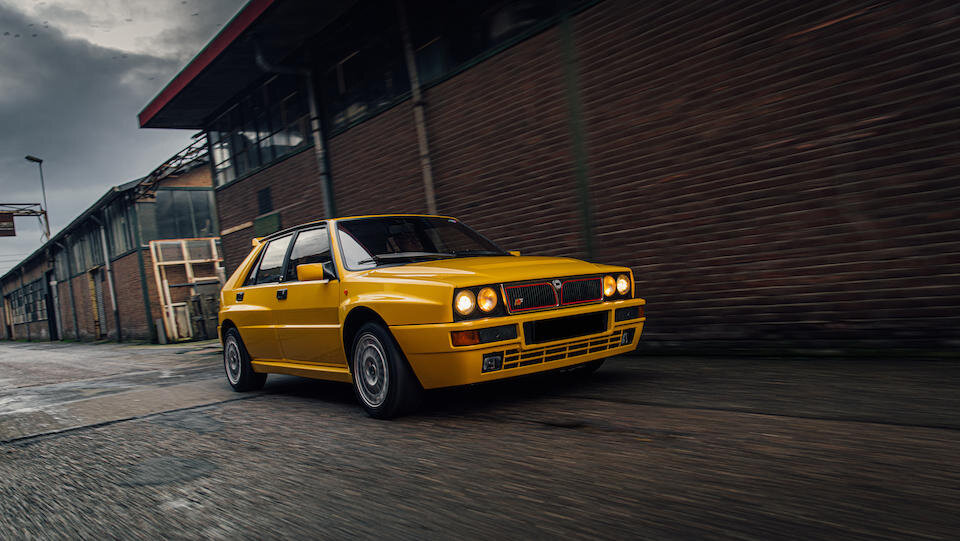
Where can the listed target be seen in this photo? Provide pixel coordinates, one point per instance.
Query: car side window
(311, 246)
(271, 264)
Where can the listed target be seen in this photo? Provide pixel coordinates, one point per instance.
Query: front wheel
(236, 362)
(382, 380)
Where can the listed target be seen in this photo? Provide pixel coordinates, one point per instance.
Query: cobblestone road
(115, 441)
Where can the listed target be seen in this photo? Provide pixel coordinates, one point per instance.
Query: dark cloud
(74, 104)
(184, 41)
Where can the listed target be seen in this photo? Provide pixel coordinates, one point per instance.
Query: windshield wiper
(478, 252)
(384, 258)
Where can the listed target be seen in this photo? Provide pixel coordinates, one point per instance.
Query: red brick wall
(130, 298)
(66, 310)
(501, 149)
(776, 171)
(198, 177)
(38, 330)
(296, 191)
(769, 171)
(376, 166)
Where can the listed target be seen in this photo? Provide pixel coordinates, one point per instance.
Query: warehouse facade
(99, 277)
(770, 172)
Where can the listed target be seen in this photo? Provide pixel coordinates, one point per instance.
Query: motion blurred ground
(146, 441)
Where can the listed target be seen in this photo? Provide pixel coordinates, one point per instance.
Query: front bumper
(438, 363)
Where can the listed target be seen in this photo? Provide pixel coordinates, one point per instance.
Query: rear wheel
(382, 379)
(236, 362)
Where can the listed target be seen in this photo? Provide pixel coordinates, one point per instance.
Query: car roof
(258, 240)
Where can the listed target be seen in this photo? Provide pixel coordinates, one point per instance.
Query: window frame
(286, 262)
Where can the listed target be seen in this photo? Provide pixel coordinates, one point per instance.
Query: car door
(255, 312)
(309, 317)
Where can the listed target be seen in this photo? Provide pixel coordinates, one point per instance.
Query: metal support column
(426, 166)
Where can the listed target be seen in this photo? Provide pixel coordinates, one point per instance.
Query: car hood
(471, 271)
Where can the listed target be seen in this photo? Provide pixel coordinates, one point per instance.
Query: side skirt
(303, 370)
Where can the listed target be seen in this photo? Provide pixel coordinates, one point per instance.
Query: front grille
(581, 290)
(530, 296)
(514, 358)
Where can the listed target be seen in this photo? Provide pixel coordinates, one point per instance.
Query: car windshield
(391, 240)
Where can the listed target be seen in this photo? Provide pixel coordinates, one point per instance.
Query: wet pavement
(118, 441)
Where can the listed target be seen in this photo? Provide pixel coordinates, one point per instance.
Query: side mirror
(309, 272)
(514, 252)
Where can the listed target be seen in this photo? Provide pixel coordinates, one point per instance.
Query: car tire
(236, 363)
(586, 369)
(382, 380)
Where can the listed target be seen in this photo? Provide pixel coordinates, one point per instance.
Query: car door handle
(240, 296)
(282, 294)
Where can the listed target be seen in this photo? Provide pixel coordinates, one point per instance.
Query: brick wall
(376, 166)
(296, 191)
(777, 171)
(197, 177)
(66, 310)
(34, 269)
(130, 298)
(769, 171)
(501, 145)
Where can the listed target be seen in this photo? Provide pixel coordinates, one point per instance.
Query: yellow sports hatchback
(401, 303)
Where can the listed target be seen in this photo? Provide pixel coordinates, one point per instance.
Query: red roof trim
(240, 22)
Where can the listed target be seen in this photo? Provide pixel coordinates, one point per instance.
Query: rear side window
(311, 246)
(271, 264)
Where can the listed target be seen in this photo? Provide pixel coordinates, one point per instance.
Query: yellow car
(400, 303)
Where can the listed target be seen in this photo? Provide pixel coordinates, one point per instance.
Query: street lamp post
(46, 216)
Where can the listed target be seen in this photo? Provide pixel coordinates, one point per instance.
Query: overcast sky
(73, 76)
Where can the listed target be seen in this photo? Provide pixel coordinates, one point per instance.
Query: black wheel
(382, 380)
(585, 369)
(236, 362)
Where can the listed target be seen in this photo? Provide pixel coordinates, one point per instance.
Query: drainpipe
(27, 321)
(73, 302)
(110, 282)
(319, 148)
(416, 97)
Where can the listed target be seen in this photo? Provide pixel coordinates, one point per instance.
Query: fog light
(492, 362)
(626, 337)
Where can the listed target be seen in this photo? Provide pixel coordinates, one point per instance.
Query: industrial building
(128, 267)
(771, 172)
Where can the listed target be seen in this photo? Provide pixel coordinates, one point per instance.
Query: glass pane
(183, 214)
(312, 246)
(202, 214)
(199, 249)
(271, 266)
(169, 251)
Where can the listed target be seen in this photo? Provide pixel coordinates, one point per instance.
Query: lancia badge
(557, 284)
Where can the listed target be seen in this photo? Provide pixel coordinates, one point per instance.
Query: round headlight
(609, 286)
(465, 302)
(487, 299)
(623, 284)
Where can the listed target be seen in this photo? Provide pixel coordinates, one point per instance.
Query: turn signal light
(465, 338)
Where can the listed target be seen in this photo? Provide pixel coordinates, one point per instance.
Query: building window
(363, 65)
(29, 303)
(265, 125)
(118, 229)
(264, 201)
(184, 214)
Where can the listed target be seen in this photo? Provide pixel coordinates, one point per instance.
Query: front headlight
(609, 286)
(465, 302)
(623, 284)
(487, 299)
